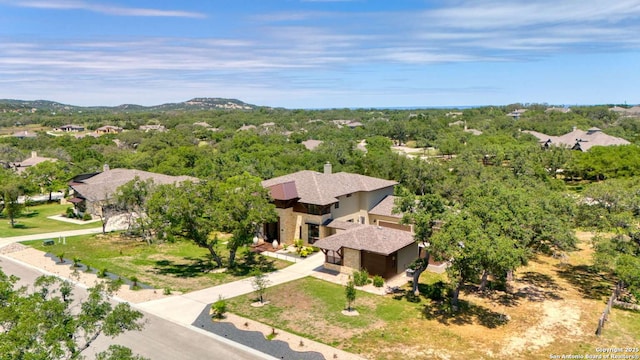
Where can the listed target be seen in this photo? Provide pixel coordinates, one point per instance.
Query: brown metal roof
(284, 191)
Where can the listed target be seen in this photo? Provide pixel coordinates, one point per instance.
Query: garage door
(374, 263)
(394, 225)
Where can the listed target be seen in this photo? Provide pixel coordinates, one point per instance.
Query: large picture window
(314, 233)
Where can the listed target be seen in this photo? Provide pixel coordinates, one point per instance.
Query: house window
(317, 209)
(338, 205)
(313, 231)
(333, 257)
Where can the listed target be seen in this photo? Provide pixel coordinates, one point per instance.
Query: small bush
(298, 243)
(69, 213)
(102, 273)
(378, 281)
(76, 262)
(134, 282)
(167, 291)
(218, 308)
(86, 217)
(361, 278)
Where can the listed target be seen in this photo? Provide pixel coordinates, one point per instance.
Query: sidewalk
(53, 235)
(186, 308)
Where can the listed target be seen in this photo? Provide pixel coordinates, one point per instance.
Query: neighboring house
(247, 127)
(70, 128)
(147, 128)
(94, 191)
(349, 123)
(24, 134)
(579, 139)
(563, 110)
(311, 144)
(465, 129)
(31, 161)
(348, 216)
(108, 129)
(515, 114)
(629, 112)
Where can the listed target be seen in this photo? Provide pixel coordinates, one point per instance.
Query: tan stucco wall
(406, 255)
(370, 199)
(358, 205)
(351, 258)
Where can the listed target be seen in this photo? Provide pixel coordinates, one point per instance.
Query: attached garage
(373, 248)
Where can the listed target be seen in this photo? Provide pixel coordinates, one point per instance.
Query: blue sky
(321, 53)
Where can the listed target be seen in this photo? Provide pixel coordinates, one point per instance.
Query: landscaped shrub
(134, 281)
(298, 243)
(361, 278)
(86, 217)
(378, 281)
(218, 308)
(69, 213)
(102, 273)
(76, 262)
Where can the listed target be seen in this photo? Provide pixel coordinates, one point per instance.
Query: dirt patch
(557, 317)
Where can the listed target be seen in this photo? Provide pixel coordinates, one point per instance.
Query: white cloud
(104, 8)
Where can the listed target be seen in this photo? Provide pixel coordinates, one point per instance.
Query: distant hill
(21, 106)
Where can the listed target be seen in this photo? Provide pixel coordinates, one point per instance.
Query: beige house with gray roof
(348, 216)
(96, 190)
(579, 139)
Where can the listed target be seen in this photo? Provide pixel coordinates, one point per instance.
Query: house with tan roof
(33, 160)
(108, 129)
(579, 139)
(95, 191)
(70, 128)
(348, 216)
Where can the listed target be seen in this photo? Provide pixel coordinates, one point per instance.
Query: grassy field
(553, 309)
(179, 266)
(34, 221)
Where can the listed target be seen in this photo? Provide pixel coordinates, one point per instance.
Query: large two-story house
(348, 216)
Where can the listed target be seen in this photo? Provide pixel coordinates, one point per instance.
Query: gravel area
(47, 262)
(254, 337)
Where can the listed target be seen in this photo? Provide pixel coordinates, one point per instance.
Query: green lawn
(393, 327)
(34, 221)
(179, 266)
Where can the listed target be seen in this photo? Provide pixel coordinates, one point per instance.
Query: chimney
(34, 154)
(105, 167)
(327, 168)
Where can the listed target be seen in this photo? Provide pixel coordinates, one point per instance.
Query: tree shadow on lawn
(195, 268)
(540, 287)
(467, 314)
(251, 262)
(591, 283)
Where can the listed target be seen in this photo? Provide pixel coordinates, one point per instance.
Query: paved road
(160, 339)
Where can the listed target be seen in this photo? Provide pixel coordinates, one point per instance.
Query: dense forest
(473, 170)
